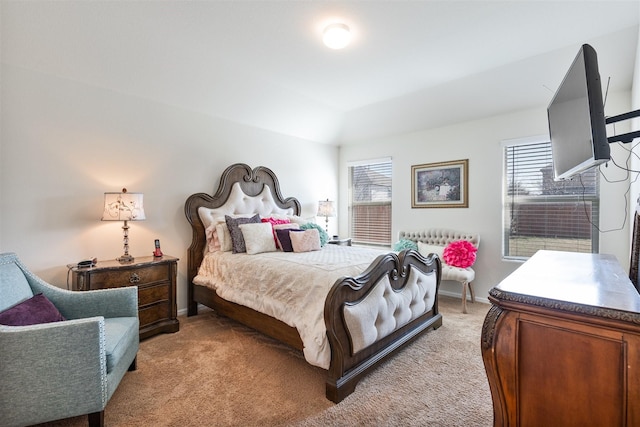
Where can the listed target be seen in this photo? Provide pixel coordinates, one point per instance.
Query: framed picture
(440, 185)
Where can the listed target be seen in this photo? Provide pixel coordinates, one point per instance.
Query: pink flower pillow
(460, 253)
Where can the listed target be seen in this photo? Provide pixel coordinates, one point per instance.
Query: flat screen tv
(576, 119)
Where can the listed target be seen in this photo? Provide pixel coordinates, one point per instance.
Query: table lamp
(326, 208)
(125, 207)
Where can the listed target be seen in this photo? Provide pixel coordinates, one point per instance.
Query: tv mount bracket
(625, 137)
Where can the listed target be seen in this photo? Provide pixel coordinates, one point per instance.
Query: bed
(376, 302)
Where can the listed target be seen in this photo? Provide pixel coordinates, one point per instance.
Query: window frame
(592, 199)
(370, 203)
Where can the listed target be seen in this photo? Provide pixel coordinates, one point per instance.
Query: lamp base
(125, 259)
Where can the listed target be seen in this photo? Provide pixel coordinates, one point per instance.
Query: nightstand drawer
(150, 294)
(129, 277)
(153, 313)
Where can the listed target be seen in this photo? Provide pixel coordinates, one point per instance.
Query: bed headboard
(242, 190)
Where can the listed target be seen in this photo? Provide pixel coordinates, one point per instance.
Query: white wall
(635, 125)
(65, 143)
(480, 142)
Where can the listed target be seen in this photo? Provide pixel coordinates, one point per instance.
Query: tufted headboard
(439, 236)
(242, 190)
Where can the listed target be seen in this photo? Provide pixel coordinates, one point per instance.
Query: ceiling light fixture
(336, 36)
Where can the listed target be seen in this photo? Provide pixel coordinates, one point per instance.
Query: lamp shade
(123, 206)
(326, 208)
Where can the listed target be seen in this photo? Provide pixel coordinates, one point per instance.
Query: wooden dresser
(561, 343)
(156, 282)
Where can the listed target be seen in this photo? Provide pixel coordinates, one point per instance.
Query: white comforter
(291, 287)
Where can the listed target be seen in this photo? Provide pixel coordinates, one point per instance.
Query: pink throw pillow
(306, 241)
(460, 253)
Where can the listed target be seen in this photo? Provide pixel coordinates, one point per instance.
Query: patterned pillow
(258, 237)
(35, 310)
(233, 224)
(308, 240)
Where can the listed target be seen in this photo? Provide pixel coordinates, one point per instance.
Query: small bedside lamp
(123, 207)
(326, 208)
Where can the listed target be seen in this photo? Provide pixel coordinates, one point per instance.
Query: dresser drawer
(151, 294)
(137, 276)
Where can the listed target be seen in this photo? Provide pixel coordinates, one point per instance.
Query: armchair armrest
(53, 370)
(115, 302)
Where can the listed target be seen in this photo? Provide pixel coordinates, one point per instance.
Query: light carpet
(215, 372)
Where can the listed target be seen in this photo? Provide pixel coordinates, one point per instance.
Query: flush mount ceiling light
(336, 36)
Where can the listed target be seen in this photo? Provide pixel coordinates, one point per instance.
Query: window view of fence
(540, 213)
(370, 203)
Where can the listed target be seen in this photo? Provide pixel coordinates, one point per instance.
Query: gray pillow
(237, 240)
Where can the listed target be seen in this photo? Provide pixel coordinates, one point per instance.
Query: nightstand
(340, 242)
(156, 282)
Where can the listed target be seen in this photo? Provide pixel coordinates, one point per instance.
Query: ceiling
(411, 65)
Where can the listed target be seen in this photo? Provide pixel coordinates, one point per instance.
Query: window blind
(540, 213)
(370, 203)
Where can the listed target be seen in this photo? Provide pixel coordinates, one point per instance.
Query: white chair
(434, 240)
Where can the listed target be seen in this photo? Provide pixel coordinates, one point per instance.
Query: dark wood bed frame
(346, 368)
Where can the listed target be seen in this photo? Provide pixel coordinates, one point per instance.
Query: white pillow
(224, 237)
(258, 237)
(425, 249)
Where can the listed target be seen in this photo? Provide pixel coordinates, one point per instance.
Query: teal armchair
(62, 369)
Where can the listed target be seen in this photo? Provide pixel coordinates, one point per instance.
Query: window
(540, 213)
(370, 202)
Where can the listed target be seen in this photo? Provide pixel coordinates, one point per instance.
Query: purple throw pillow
(35, 310)
(284, 239)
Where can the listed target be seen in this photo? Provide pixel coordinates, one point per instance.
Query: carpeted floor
(215, 372)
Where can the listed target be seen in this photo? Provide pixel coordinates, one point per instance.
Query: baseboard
(458, 295)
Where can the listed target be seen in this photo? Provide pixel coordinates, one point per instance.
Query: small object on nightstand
(157, 252)
(340, 242)
(156, 281)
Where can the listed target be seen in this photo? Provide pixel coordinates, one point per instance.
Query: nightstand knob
(134, 278)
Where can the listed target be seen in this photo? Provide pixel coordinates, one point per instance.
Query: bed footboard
(373, 315)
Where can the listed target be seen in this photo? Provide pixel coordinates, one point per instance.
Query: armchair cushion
(37, 309)
(121, 334)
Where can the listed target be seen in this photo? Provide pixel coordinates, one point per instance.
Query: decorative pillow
(426, 249)
(213, 243)
(224, 238)
(35, 310)
(258, 237)
(324, 237)
(460, 253)
(276, 221)
(287, 226)
(403, 244)
(233, 224)
(308, 240)
(284, 238)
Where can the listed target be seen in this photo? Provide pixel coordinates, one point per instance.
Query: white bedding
(288, 286)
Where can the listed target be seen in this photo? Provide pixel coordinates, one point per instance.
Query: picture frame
(440, 185)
